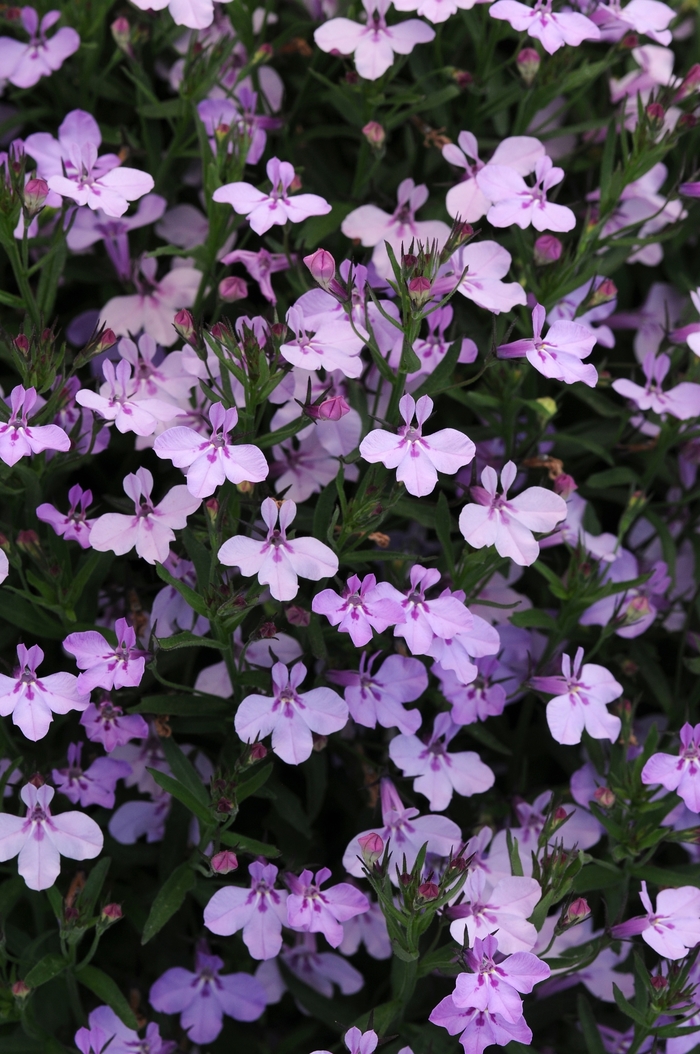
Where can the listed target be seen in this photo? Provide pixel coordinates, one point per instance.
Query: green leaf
(516, 867)
(379, 1018)
(444, 958)
(93, 886)
(183, 770)
(180, 792)
(26, 616)
(248, 845)
(188, 640)
(591, 1035)
(101, 985)
(196, 602)
(442, 374)
(626, 1007)
(533, 619)
(612, 477)
(313, 230)
(254, 782)
(594, 876)
(45, 970)
(443, 529)
(169, 899)
(160, 110)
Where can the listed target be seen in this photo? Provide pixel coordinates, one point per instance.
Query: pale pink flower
(74, 525)
(290, 716)
(559, 354)
(153, 307)
(479, 1029)
(432, 349)
(195, 14)
(4, 566)
(417, 458)
(445, 617)
(368, 929)
(151, 528)
(105, 665)
(436, 11)
(650, 17)
(680, 773)
(552, 29)
(467, 200)
(260, 912)
(655, 70)
(24, 64)
(439, 773)
(357, 1042)
(41, 839)
(502, 905)
(363, 606)
(208, 462)
(277, 562)
(496, 982)
(378, 697)
(276, 207)
(116, 401)
(303, 466)
(477, 271)
(514, 201)
(373, 226)
(327, 346)
(662, 308)
(108, 1029)
(673, 928)
(456, 653)
(19, 439)
(506, 522)
(406, 831)
(157, 376)
(312, 910)
(319, 970)
(582, 694)
(682, 401)
(88, 227)
(33, 700)
(373, 44)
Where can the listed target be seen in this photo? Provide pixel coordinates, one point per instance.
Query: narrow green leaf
(443, 529)
(45, 970)
(195, 705)
(254, 782)
(533, 619)
(612, 477)
(187, 640)
(183, 769)
(169, 899)
(182, 794)
(93, 885)
(196, 602)
(248, 845)
(101, 985)
(591, 1035)
(626, 1007)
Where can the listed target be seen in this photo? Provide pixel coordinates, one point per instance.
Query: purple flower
(514, 202)
(117, 401)
(20, 439)
(154, 304)
(504, 905)
(89, 227)
(326, 345)
(560, 354)
(673, 928)
(477, 271)
(107, 724)
(74, 525)
(506, 522)
(25, 64)
(150, 528)
(681, 401)
(496, 982)
(369, 929)
(679, 773)
(260, 912)
(93, 786)
(289, 715)
(552, 29)
(276, 207)
(319, 970)
(456, 653)
(134, 819)
(479, 1028)
(107, 666)
(581, 698)
(105, 1025)
(260, 266)
(432, 349)
(375, 43)
(466, 200)
(170, 612)
(277, 562)
(485, 697)
(378, 698)
(416, 458)
(357, 1042)
(41, 839)
(363, 606)
(311, 910)
(438, 773)
(203, 997)
(444, 617)
(33, 700)
(208, 462)
(407, 831)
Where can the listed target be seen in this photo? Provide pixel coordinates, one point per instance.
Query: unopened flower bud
(408, 261)
(184, 324)
(329, 410)
(35, 194)
(106, 340)
(655, 112)
(564, 485)
(121, 35)
(319, 742)
(637, 609)
(687, 120)
(111, 912)
(462, 78)
(245, 487)
(212, 507)
(429, 891)
(297, 616)
(659, 983)
(629, 41)
(405, 879)
(560, 816)
(264, 53)
(605, 797)
(225, 806)
(322, 267)
(224, 862)
(690, 190)
(232, 289)
(547, 249)
(528, 63)
(267, 631)
(577, 911)
(20, 989)
(419, 289)
(374, 134)
(279, 330)
(691, 82)
(372, 847)
(258, 752)
(28, 542)
(22, 344)
(606, 291)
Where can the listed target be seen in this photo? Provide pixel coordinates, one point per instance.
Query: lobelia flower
(558, 355)
(277, 206)
(108, 1029)
(407, 832)
(33, 700)
(116, 401)
(516, 202)
(170, 612)
(310, 910)
(506, 522)
(477, 271)
(106, 723)
(208, 462)
(104, 665)
(432, 349)
(260, 912)
(418, 459)
(632, 610)
(4, 566)
(150, 528)
(203, 997)
(357, 1042)
(445, 617)
(569, 307)
(378, 698)
(679, 773)
(289, 715)
(374, 44)
(74, 525)
(682, 401)
(644, 16)
(319, 970)
(438, 773)
(456, 653)
(369, 929)
(484, 697)
(673, 928)
(363, 606)
(552, 29)
(326, 346)
(195, 14)
(93, 786)
(19, 439)
(260, 266)
(155, 302)
(25, 64)
(478, 1029)
(157, 375)
(496, 982)
(41, 839)
(581, 697)
(466, 200)
(89, 227)
(72, 169)
(247, 128)
(277, 561)
(134, 819)
(492, 904)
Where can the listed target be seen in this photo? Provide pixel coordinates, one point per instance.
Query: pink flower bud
(564, 485)
(374, 134)
(108, 339)
(419, 289)
(329, 410)
(605, 797)
(267, 631)
(297, 616)
(224, 862)
(429, 891)
(630, 40)
(322, 267)
(659, 983)
(547, 250)
(121, 35)
(232, 289)
(691, 82)
(21, 343)
(462, 78)
(655, 111)
(606, 291)
(111, 912)
(577, 911)
(690, 190)
(28, 542)
(184, 324)
(264, 53)
(35, 193)
(637, 609)
(528, 63)
(296, 184)
(687, 120)
(372, 847)
(408, 261)
(258, 752)
(20, 989)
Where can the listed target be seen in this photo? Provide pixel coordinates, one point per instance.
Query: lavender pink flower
(364, 606)
(513, 200)
(108, 1033)
(552, 29)
(682, 401)
(106, 723)
(680, 773)
(260, 912)
(312, 910)
(582, 694)
(118, 401)
(74, 526)
(32, 700)
(673, 927)
(373, 44)
(558, 355)
(496, 981)
(24, 64)
(264, 210)
(105, 665)
(19, 439)
(377, 697)
(92, 786)
(502, 905)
